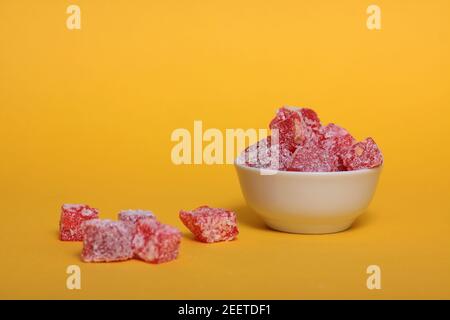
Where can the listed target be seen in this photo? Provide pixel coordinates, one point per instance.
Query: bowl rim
(299, 173)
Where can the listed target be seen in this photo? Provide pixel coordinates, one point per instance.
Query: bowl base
(310, 229)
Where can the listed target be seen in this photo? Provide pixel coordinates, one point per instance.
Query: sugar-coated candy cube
(335, 138)
(134, 215)
(264, 154)
(336, 141)
(299, 142)
(295, 126)
(286, 128)
(313, 159)
(363, 155)
(211, 224)
(72, 216)
(309, 118)
(155, 242)
(106, 241)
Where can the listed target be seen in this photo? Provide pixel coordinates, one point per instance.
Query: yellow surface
(86, 116)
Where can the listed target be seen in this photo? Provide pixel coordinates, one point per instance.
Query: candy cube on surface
(155, 242)
(106, 241)
(72, 217)
(363, 155)
(211, 224)
(134, 215)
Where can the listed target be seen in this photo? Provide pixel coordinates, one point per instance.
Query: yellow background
(86, 116)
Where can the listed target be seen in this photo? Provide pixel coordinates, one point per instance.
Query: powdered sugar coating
(300, 143)
(286, 128)
(134, 215)
(334, 137)
(363, 155)
(106, 241)
(155, 242)
(313, 158)
(336, 141)
(211, 224)
(264, 154)
(72, 217)
(295, 127)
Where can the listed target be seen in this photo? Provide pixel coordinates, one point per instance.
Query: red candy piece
(295, 126)
(265, 155)
(310, 118)
(335, 138)
(72, 216)
(300, 143)
(211, 224)
(106, 240)
(286, 128)
(313, 159)
(155, 242)
(336, 141)
(134, 215)
(363, 155)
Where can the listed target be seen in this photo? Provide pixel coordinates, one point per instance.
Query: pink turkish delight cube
(211, 224)
(363, 155)
(264, 154)
(294, 127)
(336, 138)
(313, 159)
(299, 142)
(155, 242)
(106, 241)
(336, 141)
(134, 215)
(72, 217)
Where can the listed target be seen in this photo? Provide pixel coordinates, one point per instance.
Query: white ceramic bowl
(308, 202)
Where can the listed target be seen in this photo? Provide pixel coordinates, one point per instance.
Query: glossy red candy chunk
(211, 224)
